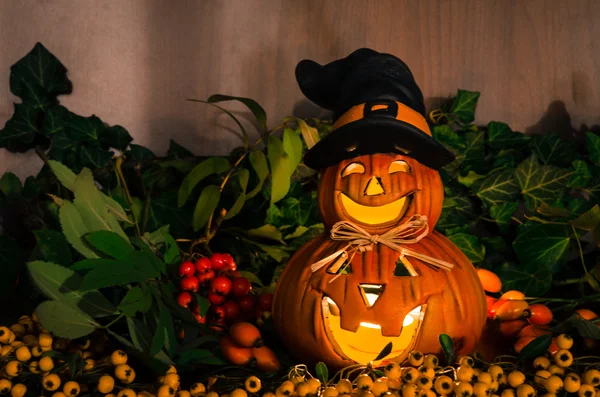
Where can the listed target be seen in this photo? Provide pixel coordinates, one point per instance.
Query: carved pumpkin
(377, 301)
(379, 191)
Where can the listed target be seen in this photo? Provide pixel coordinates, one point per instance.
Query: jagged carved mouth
(367, 342)
(375, 215)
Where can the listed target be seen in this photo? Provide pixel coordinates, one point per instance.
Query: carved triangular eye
(399, 166)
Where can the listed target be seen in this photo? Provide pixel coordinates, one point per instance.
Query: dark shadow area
(556, 120)
(307, 109)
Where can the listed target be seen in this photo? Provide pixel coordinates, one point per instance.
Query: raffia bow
(360, 240)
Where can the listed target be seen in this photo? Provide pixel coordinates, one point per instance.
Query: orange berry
(235, 354)
(513, 295)
(539, 314)
(489, 281)
(246, 335)
(266, 360)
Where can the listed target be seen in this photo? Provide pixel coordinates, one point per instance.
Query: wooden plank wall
(135, 62)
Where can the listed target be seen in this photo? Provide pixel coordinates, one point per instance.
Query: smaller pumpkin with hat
(380, 274)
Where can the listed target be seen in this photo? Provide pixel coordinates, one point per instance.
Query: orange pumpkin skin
(422, 186)
(454, 301)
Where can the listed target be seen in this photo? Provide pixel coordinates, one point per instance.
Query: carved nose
(370, 293)
(374, 187)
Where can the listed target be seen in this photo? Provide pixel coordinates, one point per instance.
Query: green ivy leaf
(281, 171)
(581, 174)
(449, 138)
(470, 246)
(508, 158)
(139, 153)
(95, 157)
(470, 178)
(540, 183)
(542, 245)
(592, 143)
(210, 166)
(136, 300)
(55, 120)
(64, 148)
(163, 210)
(110, 243)
(65, 321)
(550, 149)
(497, 188)
(10, 185)
(74, 229)
(84, 129)
(258, 161)
(464, 105)
(38, 77)
(54, 246)
(589, 220)
(116, 137)
(502, 214)
(20, 130)
(255, 108)
(205, 206)
(500, 136)
(529, 279)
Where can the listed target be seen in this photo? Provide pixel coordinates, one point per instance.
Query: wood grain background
(135, 62)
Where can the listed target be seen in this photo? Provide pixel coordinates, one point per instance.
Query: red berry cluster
(230, 295)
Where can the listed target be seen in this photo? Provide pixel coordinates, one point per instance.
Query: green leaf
(253, 278)
(279, 161)
(110, 243)
(536, 347)
(164, 335)
(163, 210)
(54, 246)
(59, 283)
(140, 335)
(500, 136)
(542, 245)
(464, 105)
(21, 128)
(203, 304)
(136, 300)
(115, 208)
(552, 211)
(292, 145)
(63, 174)
(497, 188)
(589, 220)
(10, 185)
(55, 120)
(384, 352)
(95, 157)
(470, 246)
(74, 229)
(178, 151)
(581, 174)
(84, 129)
(39, 76)
(592, 143)
(310, 134)
(205, 206)
(139, 153)
(116, 137)
(540, 183)
(213, 165)
(267, 232)
(64, 148)
(64, 321)
(502, 214)
(258, 161)
(470, 178)
(113, 273)
(91, 205)
(322, 372)
(255, 108)
(449, 138)
(243, 176)
(199, 356)
(448, 348)
(529, 279)
(550, 149)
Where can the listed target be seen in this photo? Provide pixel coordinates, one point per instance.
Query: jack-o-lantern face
(379, 191)
(344, 314)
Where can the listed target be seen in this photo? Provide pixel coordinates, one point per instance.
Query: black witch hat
(377, 108)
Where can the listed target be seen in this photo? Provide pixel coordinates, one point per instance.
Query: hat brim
(377, 135)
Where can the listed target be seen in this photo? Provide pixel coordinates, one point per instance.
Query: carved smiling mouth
(367, 342)
(375, 215)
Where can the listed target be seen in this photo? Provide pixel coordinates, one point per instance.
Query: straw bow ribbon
(410, 232)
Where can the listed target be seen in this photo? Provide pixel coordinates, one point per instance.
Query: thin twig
(118, 165)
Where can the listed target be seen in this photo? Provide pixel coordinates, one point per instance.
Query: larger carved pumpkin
(377, 300)
(379, 191)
